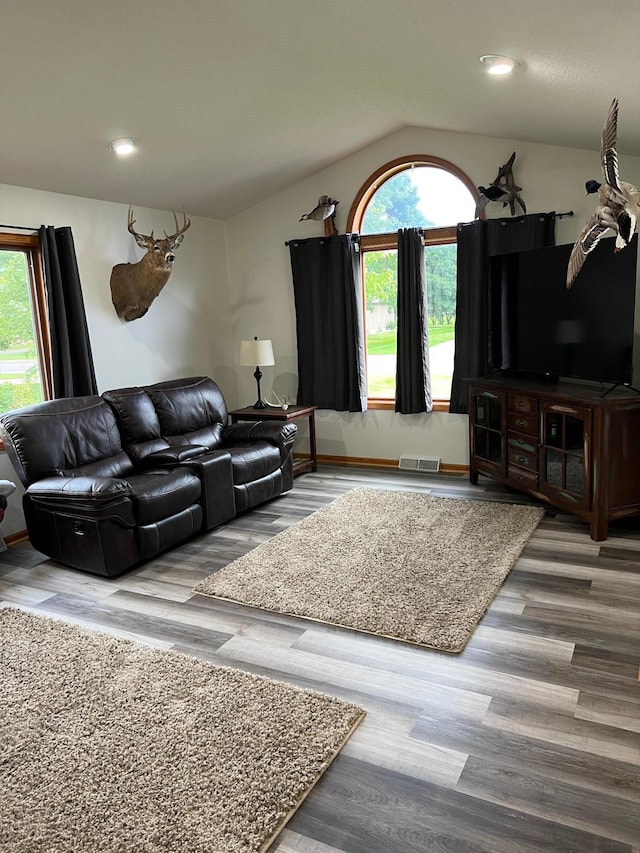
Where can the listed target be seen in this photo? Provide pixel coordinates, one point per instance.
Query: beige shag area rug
(107, 745)
(403, 565)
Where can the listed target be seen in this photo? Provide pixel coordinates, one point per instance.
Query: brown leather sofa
(114, 480)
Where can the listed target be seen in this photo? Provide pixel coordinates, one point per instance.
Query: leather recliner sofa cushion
(253, 461)
(160, 493)
(61, 436)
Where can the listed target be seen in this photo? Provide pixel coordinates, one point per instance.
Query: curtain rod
(21, 228)
(508, 220)
(515, 219)
(354, 236)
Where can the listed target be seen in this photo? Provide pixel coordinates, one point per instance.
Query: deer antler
(131, 222)
(281, 404)
(179, 230)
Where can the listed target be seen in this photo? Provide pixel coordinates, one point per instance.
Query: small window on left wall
(25, 371)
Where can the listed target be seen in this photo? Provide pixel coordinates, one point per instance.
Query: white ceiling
(234, 100)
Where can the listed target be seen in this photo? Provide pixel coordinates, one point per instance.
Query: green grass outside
(384, 343)
(386, 386)
(382, 386)
(10, 355)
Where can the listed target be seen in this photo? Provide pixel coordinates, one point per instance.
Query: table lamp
(256, 353)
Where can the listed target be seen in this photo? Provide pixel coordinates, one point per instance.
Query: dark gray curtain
(329, 322)
(483, 297)
(72, 361)
(413, 384)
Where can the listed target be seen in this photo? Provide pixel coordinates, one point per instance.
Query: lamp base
(259, 404)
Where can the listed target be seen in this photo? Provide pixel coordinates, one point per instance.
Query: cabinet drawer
(522, 441)
(523, 458)
(528, 479)
(520, 403)
(523, 422)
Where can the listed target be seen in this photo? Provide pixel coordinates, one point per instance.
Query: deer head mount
(135, 286)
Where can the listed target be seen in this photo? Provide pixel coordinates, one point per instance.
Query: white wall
(186, 330)
(552, 178)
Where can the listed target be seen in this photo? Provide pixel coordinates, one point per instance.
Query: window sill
(390, 405)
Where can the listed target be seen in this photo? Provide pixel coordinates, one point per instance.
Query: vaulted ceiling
(234, 100)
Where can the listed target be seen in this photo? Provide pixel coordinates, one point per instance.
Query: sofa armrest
(280, 434)
(216, 475)
(173, 455)
(81, 490)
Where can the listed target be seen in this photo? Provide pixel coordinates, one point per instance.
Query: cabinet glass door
(563, 453)
(487, 428)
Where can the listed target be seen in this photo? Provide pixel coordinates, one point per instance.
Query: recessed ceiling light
(124, 146)
(498, 64)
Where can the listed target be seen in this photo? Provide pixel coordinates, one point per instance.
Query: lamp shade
(256, 353)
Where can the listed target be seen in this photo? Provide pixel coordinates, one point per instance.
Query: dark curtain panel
(329, 322)
(471, 356)
(483, 297)
(72, 362)
(413, 384)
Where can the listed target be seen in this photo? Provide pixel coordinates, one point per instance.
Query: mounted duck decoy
(503, 188)
(618, 202)
(325, 210)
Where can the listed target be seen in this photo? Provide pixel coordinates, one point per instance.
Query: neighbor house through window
(412, 192)
(25, 375)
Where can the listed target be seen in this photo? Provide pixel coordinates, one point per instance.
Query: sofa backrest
(138, 421)
(71, 437)
(100, 436)
(169, 414)
(190, 411)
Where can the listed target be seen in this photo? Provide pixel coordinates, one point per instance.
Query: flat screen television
(548, 331)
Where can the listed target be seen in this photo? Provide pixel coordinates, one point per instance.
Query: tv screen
(582, 333)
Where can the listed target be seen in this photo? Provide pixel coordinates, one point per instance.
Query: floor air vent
(430, 464)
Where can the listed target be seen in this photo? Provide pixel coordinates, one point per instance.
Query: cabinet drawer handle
(520, 458)
(520, 422)
(520, 441)
(521, 404)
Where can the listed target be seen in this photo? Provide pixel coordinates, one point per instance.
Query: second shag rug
(109, 746)
(408, 566)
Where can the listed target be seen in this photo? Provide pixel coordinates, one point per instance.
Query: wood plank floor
(527, 741)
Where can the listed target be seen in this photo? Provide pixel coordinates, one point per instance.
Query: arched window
(417, 191)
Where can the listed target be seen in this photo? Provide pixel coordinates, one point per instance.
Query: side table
(293, 413)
